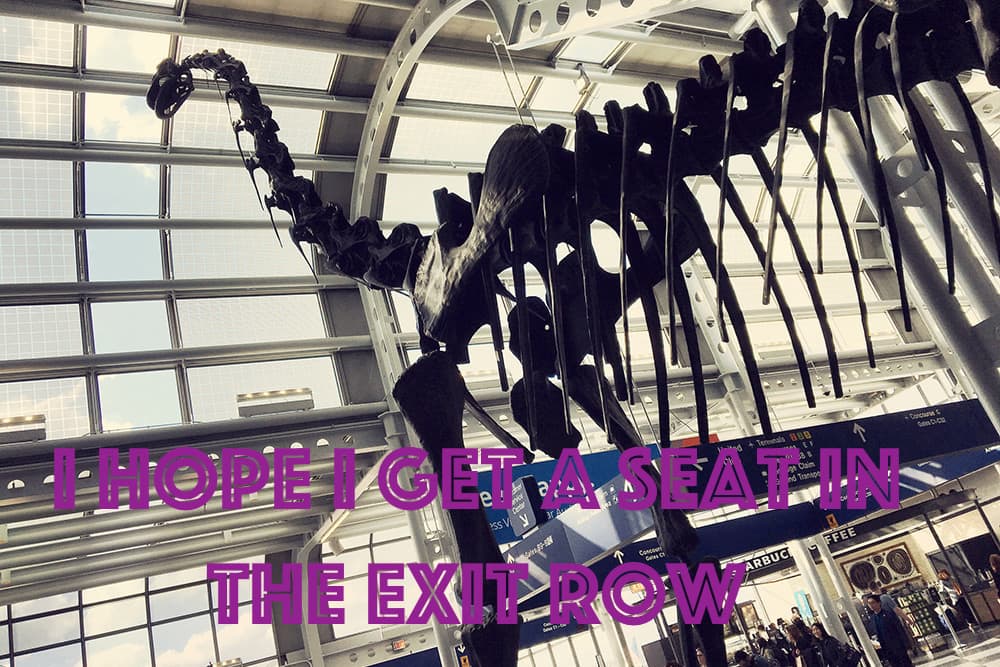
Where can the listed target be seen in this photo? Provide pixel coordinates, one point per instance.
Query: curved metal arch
(423, 23)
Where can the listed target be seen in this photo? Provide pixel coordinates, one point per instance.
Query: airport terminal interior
(148, 301)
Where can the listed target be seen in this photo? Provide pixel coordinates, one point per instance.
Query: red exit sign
(694, 441)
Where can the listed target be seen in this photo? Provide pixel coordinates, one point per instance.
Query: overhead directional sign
(918, 434)
(526, 506)
(541, 630)
(585, 536)
(578, 536)
(600, 467)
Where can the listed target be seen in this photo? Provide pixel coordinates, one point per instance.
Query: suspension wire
(506, 79)
(645, 411)
(517, 77)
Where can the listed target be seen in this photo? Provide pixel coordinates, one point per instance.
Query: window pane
(130, 648)
(120, 118)
(37, 256)
(555, 95)
(114, 616)
(410, 197)
(457, 84)
(36, 188)
(625, 95)
(28, 332)
(249, 319)
(218, 192)
(214, 389)
(245, 640)
(589, 49)
(4, 641)
(129, 326)
(125, 50)
(181, 602)
(65, 656)
(134, 400)
(176, 578)
(30, 188)
(44, 631)
(275, 65)
(63, 402)
(244, 253)
(122, 189)
(26, 113)
(33, 41)
(124, 254)
(204, 124)
(184, 643)
(428, 139)
(112, 591)
(51, 603)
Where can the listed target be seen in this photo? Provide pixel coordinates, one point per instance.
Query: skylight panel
(124, 254)
(428, 139)
(29, 332)
(555, 95)
(457, 84)
(589, 49)
(136, 400)
(120, 118)
(256, 319)
(272, 65)
(410, 197)
(214, 389)
(240, 253)
(36, 42)
(207, 125)
(27, 113)
(125, 50)
(122, 189)
(130, 326)
(624, 95)
(216, 192)
(32, 188)
(63, 402)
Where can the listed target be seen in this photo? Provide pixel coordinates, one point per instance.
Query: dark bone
(430, 395)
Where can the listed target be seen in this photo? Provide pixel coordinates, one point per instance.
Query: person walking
(833, 652)
(952, 592)
(803, 646)
(891, 633)
(995, 569)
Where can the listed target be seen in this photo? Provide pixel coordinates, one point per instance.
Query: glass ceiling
(154, 394)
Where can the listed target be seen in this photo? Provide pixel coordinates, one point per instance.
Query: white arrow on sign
(524, 520)
(859, 431)
(461, 648)
(620, 556)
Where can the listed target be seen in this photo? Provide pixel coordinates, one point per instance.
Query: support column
(962, 350)
(847, 598)
(826, 608)
(725, 354)
(969, 196)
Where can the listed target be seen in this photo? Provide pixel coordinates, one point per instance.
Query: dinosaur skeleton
(535, 195)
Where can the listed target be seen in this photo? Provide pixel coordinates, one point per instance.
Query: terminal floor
(980, 650)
